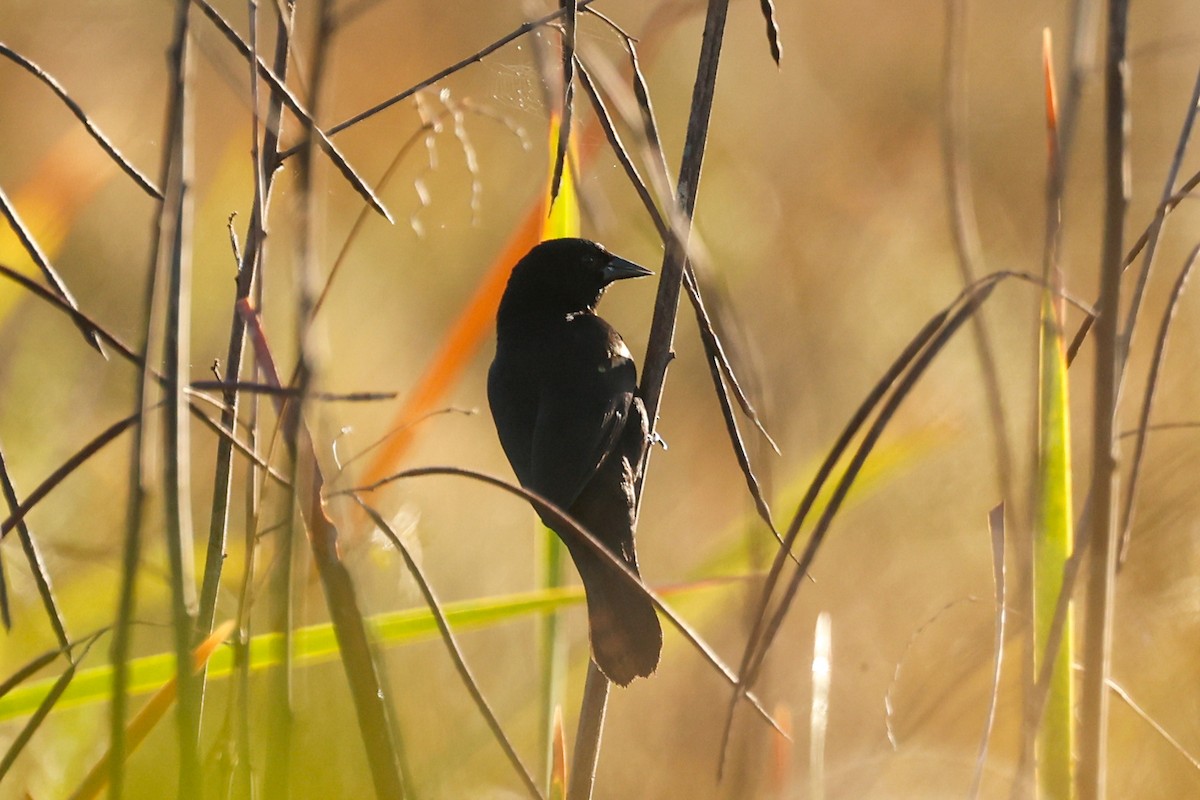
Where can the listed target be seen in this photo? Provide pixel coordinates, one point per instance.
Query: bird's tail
(626, 636)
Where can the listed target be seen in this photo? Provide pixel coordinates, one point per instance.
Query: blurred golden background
(823, 211)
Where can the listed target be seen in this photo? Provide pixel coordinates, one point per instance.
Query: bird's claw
(655, 439)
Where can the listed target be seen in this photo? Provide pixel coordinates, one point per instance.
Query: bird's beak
(619, 269)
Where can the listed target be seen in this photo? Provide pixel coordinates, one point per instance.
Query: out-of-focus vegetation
(823, 215)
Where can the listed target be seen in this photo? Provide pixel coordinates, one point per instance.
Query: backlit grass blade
(315, 644)
(1053, 535)
(561, 219)
(558, 762)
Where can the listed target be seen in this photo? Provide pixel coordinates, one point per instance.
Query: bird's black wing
(583, 405)
(514, 383)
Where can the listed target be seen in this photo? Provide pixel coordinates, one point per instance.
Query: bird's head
(564, 276)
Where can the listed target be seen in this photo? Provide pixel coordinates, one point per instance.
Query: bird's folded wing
(582, 412)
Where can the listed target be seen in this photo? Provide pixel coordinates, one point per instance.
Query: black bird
(562, 392)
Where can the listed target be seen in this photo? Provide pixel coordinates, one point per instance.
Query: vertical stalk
(587, 738)
(175, 257)
(1097, 642)
(659, 351)
(169, 238)
(276, 773)
(248, 270)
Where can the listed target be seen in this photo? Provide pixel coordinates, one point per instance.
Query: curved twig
(455, 651)
(568, 525)
(895, 385)
(1143, 426)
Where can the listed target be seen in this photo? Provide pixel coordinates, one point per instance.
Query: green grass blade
(552, 646)
(1052, 547)
(314, 644)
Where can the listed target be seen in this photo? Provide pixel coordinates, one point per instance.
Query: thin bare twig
(225, 433)
(275, 770)
(1174, 743)
(1154, 234)
(37, 566)
(9, 211)
(78, 317)
(95, 445)
(895, 385)
(105, 144)
(1160, 426)
(915, 636)
(1152, 238)
(398, 429)
(426, 127)
(31, 668)
(17, 515)
(1149, 237)
(5, 605)
(45, 707)
(666, 306)
(264, 161)
(474, 58)
(1089, 319)
(718, 364)
(279, 88)
(288, 391)
(563, 522)
(241, 778)
(1143, 427)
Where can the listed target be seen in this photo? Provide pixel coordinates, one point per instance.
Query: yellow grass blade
(1053, 535)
